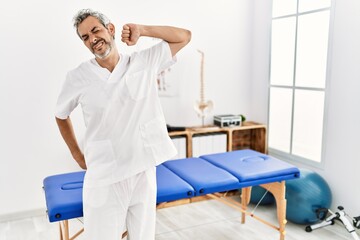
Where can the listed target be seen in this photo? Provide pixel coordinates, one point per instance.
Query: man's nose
(93, 39)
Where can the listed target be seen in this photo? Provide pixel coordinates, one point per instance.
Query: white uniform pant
(127, 205)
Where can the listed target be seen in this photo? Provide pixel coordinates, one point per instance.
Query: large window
(298, 72)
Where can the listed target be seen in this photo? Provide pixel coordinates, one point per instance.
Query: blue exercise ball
(257, 194)
(305, 195)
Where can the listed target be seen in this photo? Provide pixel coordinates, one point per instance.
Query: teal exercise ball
(260, 196)
(305, 195)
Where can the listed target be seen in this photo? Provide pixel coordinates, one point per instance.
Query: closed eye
(84, 37)
(95, 30)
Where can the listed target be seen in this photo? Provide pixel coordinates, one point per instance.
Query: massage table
(210, 175)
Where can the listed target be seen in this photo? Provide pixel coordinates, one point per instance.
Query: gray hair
(84, 13)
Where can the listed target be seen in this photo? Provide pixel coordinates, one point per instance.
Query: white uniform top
(125, 126)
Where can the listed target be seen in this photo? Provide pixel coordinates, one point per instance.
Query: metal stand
(342, 217)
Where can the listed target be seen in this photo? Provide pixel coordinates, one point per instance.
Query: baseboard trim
(22, 214)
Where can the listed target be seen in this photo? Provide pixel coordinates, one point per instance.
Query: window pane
(308, 124)
(308, 5)
(280, 118)
(312, 44)
(284, 7)
(282, 51)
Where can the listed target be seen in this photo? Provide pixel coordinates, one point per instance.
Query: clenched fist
(130, 34)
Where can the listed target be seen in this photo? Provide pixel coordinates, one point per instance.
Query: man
(126, 134)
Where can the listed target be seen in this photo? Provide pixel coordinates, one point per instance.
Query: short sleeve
(68, 98)
(158, 56)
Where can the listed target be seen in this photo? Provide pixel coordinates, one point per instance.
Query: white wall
(39, 45)
(341, 158)
(223, 32)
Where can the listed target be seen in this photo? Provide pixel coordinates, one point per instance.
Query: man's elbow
(187, 37)
(183, 38)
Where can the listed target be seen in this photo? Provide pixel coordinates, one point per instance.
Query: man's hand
(80, 159)
(130, 34)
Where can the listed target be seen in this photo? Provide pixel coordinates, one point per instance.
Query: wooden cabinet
(250, 135)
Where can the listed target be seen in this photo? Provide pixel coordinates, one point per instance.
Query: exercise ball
(257, 194)
(305, 195)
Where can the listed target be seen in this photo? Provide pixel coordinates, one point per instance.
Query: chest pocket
(138, 85)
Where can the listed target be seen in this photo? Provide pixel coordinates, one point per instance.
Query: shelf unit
(250, 135)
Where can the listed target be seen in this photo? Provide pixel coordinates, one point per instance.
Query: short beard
(106, 53)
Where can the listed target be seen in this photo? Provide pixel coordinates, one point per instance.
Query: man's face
(96, 37)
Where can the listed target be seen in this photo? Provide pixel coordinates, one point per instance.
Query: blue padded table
(64, 195)
(210, 175)
(252, 168)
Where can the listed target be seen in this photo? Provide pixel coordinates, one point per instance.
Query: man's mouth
(98, 45)
(101, 48)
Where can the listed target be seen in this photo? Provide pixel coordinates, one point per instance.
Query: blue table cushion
(63, 193)
(178, 179)
(203, 176)
(252, 166)
(170, 186)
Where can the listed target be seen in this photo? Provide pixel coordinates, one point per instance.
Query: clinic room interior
(279, 77)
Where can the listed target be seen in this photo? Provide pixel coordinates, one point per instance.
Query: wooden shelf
(250, 135)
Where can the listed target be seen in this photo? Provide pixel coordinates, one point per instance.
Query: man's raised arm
(176, 37)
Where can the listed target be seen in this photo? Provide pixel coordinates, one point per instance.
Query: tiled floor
(210, 220)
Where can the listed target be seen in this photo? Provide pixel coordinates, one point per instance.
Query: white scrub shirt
(125, 126)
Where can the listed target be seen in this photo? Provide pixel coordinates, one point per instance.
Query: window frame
(290, 157)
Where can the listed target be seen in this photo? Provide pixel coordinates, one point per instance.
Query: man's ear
(111, 29)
